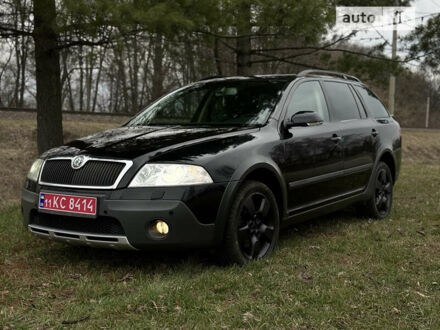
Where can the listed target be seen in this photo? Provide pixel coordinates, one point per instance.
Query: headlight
(34, 172)
(156, 175)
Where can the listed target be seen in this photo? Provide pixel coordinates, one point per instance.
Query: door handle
(336, 138)
(383, 121)
(374, 132)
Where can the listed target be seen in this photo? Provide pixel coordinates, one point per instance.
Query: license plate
(68, 203)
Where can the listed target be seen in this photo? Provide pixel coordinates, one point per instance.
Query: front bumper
(134, 216)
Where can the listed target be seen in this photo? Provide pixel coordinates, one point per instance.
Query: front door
(313, 154)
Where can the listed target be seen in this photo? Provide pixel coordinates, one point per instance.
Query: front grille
(99, 225)
(94, 173)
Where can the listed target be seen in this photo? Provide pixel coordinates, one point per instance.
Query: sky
(371, 37)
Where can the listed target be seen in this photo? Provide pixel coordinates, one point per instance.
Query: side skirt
(322, 209)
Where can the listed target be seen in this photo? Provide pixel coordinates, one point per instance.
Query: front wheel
(253, 226)
(378, 206)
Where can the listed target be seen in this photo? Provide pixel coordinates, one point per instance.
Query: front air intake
(100, 225)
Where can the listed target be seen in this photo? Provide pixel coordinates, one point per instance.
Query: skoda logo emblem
(78, 162)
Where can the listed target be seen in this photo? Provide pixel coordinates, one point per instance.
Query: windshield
(225, 103)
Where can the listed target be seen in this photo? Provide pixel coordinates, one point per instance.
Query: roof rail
(327, 73)
(210, 77)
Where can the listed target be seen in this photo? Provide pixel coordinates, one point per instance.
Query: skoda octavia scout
(224, 163)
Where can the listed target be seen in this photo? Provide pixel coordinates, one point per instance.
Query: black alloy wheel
(378, 206)
(256, 226)
(253, 227)
(383, 192)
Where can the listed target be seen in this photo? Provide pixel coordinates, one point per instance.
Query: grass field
(19, 149)
(334, 272)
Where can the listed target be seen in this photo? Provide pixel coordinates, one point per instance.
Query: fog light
(159, 228)
(162, 227)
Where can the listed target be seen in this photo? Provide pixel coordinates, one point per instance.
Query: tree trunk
(123, 80)
(2, 72)
(134, 77)
(98, 76)
(24, 55)
(47, 63)
(23, 73)
(243, 53)
(81, 79)
(66, 79)
(218, 63)
(117, 81)
(90, 63)
(145, 76)
(111, 79)
(17, 72)
(17, 57)
(158, 70)
(189, 59)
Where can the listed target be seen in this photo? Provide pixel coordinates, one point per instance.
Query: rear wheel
(378, 206)
(253, 227)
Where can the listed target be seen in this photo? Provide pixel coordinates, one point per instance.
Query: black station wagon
(225, 162)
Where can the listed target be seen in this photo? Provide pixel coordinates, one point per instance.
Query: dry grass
(19, 149)
(336, 272)
(421, 146)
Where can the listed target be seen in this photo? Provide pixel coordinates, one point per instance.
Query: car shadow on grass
(330, 223)
(149, 260)
(159, 260)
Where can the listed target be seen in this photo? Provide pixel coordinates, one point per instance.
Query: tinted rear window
(372, 103)
(343, 103)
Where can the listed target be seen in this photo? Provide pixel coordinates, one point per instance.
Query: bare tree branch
(82, 42)
(238, 36)
(273, 58)
(7, 31)
(342, 50)
(341, 39)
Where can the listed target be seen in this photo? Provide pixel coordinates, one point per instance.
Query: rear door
(358, 135)
(313, 154)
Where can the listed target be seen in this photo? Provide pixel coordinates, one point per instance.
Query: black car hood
(131, 142)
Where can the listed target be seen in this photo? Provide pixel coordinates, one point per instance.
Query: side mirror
(304, 118)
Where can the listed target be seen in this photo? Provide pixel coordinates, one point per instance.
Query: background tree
(251, 31)
(84, 23)
(117, 56)
(424, 44)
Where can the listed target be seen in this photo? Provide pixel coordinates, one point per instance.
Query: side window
(343, 103)
(360, 105)
(372, 102)
(308, 97)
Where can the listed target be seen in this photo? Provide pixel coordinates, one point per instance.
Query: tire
(253, 225)
(378, 206)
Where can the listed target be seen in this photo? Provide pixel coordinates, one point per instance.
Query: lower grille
(99, 225)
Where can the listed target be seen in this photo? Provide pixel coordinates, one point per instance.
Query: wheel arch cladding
(388, 159)
(270, 179)
(262, 172)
